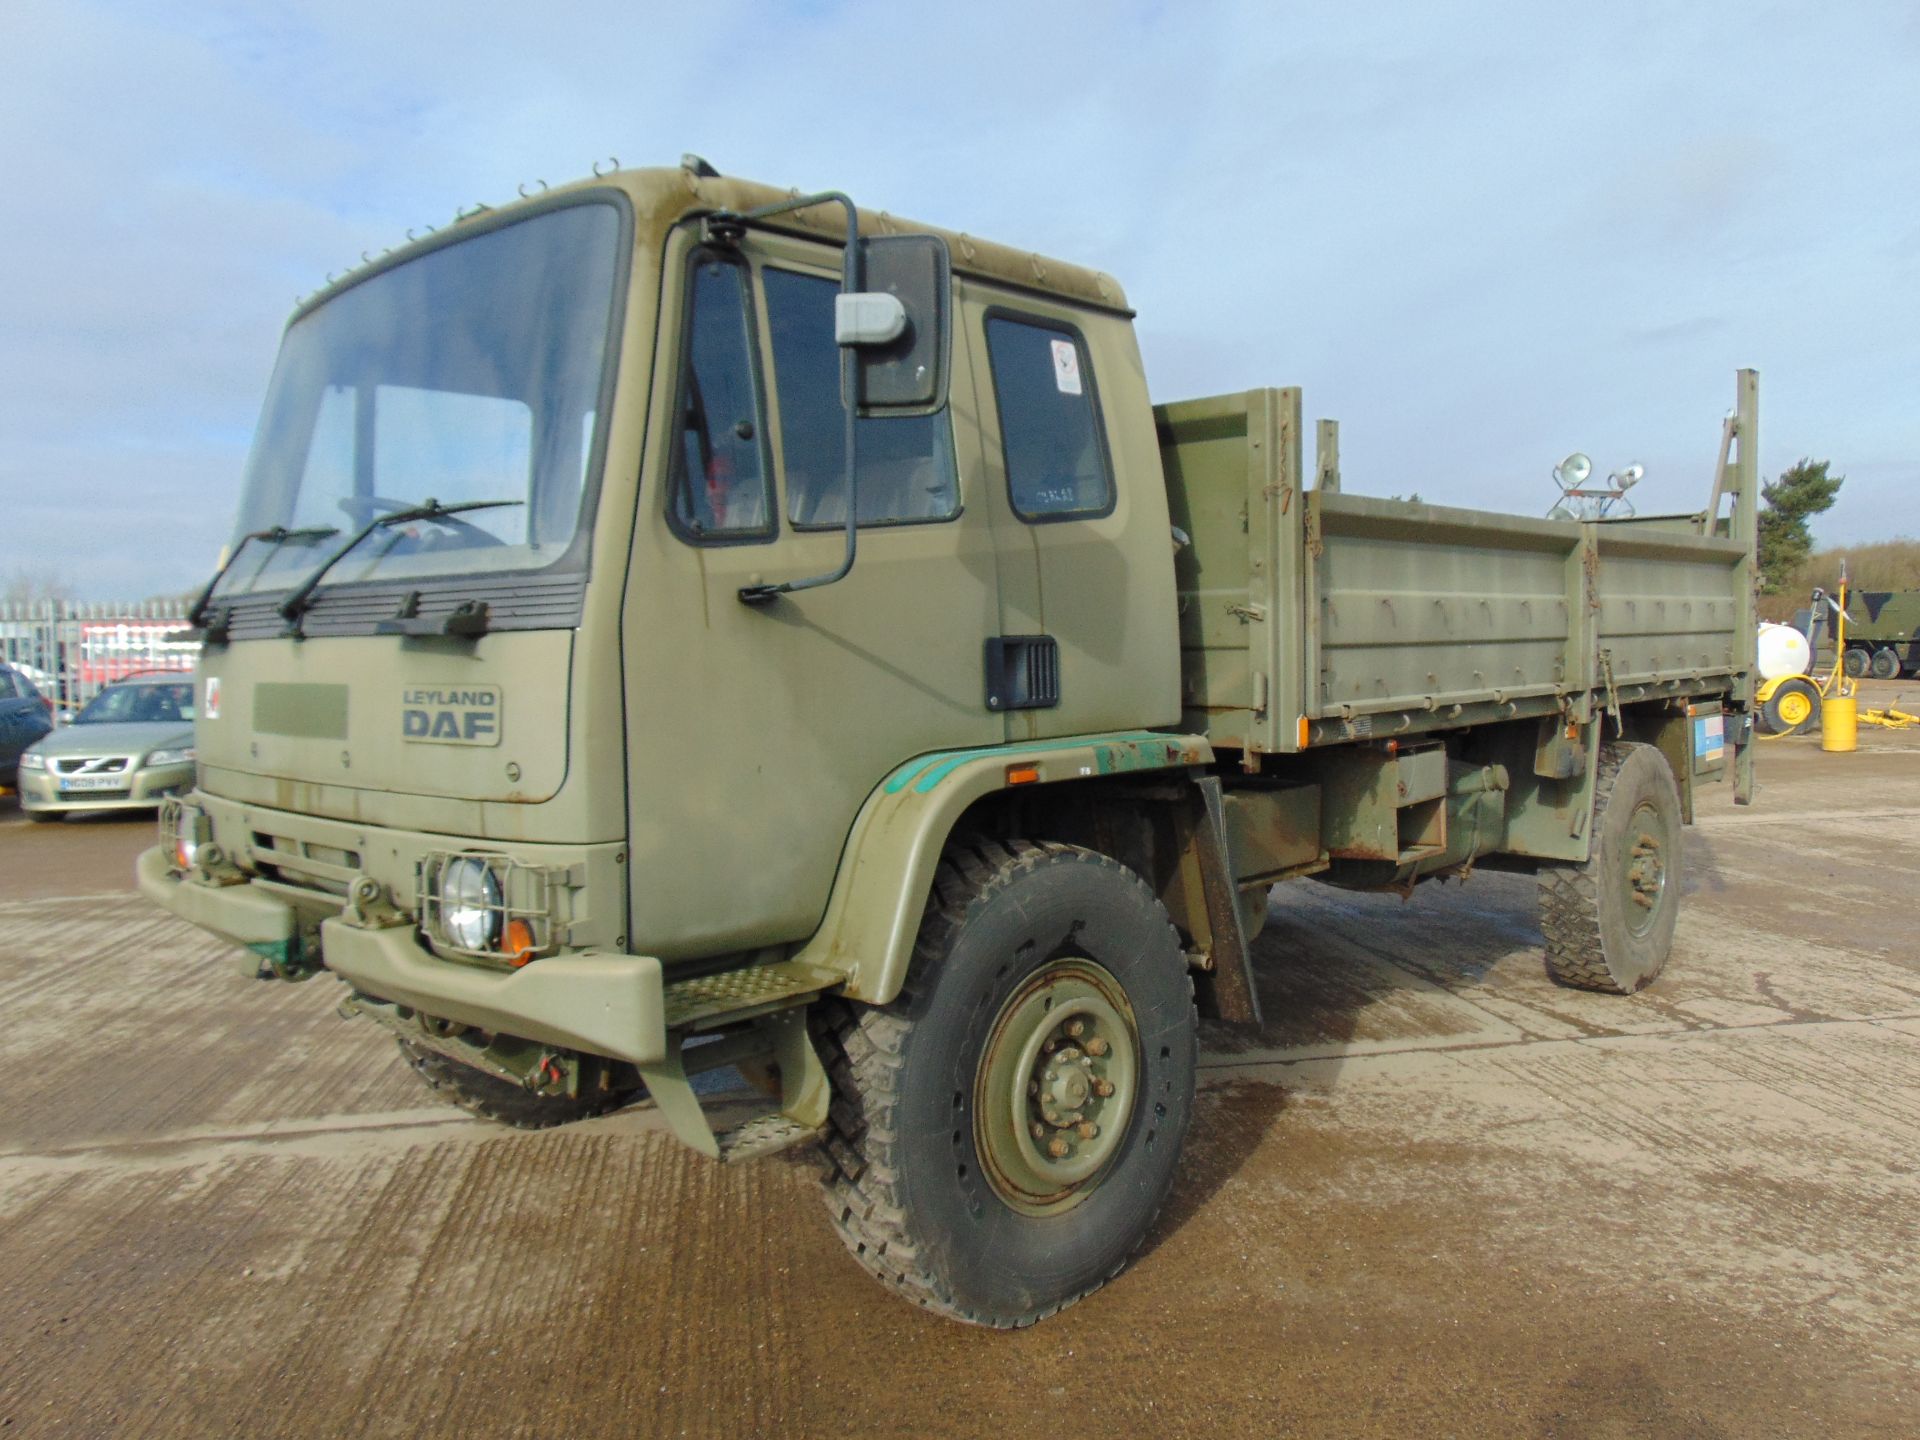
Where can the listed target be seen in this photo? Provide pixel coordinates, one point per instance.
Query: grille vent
(1023, 672)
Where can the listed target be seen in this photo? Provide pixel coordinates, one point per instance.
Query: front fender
(886, 870)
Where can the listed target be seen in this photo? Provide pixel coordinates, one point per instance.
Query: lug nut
(1039, 1131)
(1033, 1087)
(1049, 1045)
(1076, 1028)
(1058, 1148)
(1088, 1130)
(1097, 1046)
(1103, 1088)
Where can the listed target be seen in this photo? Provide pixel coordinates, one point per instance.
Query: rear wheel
(502, 1101)
(1608, 923)
(1792, 708)
(1886, 663)
(1004, 1133)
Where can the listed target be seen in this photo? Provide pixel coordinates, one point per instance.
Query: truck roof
(661, 198)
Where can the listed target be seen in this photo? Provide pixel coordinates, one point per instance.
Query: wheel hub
(1646, 871)
(1056, 1086)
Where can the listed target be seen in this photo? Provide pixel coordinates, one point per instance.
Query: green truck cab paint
(676, 625)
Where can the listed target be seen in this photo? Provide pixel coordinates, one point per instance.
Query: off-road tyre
(501, 1101)
(1792, 709)
(1597, 937)
(1886, 663)
(1856, 661)
(905, 1183)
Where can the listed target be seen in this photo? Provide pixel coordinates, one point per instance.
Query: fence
(73, 652)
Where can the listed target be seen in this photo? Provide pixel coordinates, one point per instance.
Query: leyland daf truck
(676, 625)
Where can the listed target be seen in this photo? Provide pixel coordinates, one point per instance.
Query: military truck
(677, 626)
(1883, 633)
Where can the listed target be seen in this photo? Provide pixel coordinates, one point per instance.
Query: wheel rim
(1645, 877)
(1795, 707)
(1056, 1085)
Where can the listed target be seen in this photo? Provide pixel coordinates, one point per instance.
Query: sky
(1481, 235)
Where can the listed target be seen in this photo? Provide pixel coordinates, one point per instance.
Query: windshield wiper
(279, 535)
(297, 604)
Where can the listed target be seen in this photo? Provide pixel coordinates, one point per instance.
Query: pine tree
(1801, 492)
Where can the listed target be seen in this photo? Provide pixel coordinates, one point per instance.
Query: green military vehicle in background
(1883, 633)
(675, 624)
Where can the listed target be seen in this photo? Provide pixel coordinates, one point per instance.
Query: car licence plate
(93, 782)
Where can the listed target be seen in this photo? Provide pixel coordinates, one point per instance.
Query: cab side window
(1056, 456)
(720, 475)
(906, 462)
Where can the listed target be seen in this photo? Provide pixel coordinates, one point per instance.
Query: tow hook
(368, 907)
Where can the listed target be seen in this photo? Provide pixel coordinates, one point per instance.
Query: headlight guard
(184, 833)
(481, 905)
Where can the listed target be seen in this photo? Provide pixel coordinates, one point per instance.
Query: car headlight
(171, 757)
(33, 760)
(471, 906)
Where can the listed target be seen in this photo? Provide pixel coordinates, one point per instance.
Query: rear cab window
(1050, 430)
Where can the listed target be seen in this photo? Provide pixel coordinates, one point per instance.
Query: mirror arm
(727, 226)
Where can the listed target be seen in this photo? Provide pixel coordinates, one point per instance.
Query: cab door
(756, 732)
(1074, 461)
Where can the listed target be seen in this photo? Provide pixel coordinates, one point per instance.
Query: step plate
(735, 994)
(766, 1135)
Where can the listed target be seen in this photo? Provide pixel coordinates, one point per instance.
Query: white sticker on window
(1066, 367)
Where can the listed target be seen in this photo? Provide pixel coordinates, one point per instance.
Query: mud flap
(1740, 731)
(1226, 987)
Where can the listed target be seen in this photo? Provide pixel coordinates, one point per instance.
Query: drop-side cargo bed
(1310, 617)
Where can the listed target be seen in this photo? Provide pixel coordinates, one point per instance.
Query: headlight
(187, 829)
(33, 760)
(171, 757)
(470, 904)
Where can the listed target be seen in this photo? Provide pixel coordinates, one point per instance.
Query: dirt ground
(1436, 1195)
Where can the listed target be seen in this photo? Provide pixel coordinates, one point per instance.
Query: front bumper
(599, 1002)
(40, 791)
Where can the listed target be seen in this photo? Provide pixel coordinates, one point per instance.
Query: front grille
(327, 868)
(91, 765)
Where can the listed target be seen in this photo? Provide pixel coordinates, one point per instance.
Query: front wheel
(1856, 661)
(1003, 1134)
(501, 1101)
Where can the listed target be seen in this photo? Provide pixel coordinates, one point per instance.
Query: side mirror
(898, 326)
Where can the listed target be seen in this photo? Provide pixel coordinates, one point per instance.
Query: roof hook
(613, 164)
(523, 189)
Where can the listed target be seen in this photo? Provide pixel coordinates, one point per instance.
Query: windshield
(470, 373)
(119, 704)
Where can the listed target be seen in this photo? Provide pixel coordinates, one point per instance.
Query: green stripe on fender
(1132, 750)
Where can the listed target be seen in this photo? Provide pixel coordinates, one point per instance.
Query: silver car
(128, 749)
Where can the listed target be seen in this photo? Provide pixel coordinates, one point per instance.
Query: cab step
(732, 995)
(763, 1135)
